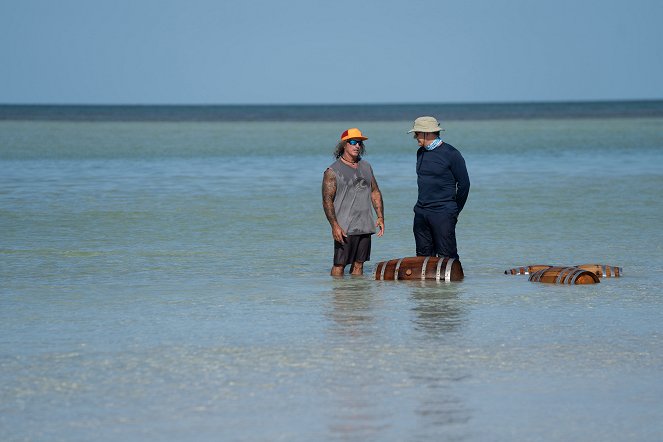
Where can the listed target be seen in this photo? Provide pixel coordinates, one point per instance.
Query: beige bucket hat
(426, 124)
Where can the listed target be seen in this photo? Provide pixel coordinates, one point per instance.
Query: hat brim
(428, 131)
(354, 138)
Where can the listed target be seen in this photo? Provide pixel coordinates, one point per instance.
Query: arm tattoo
(376, 197)
(328, 194)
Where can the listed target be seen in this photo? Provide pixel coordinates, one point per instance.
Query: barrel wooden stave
(564, 275)
(526, 270)
(603, 270)
(420, 268)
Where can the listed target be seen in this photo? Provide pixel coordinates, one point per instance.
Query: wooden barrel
(420, 267)
(602, 270)
(526, 270)
(564, 275)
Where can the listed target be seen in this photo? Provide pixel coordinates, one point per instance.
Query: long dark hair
(340, 148)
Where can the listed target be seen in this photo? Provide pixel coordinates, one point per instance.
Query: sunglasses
(355, 142)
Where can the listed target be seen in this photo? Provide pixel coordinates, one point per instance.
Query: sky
(329, 51)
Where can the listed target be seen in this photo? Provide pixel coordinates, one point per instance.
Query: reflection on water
(411, 377)
(352, 376)
(437, 308)
(438, 317)
(352, 306)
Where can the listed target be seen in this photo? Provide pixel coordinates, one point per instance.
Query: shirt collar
(436, 142)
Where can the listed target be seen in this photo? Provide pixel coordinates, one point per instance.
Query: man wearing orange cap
(349, 189)
(443, 184)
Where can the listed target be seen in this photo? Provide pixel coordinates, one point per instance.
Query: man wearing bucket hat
(443, 185)
(349, 189)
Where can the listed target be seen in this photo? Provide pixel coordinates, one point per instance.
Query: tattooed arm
(376, 198)
(328, 194)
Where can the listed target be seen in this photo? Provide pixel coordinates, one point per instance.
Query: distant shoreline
(330, 112)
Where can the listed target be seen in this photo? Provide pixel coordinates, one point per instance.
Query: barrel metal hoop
(398, 266)
(423, 267)
(384, 267)
(562, 276)
(572, 276)
(439, 268)
(447, 273)
(536, 276)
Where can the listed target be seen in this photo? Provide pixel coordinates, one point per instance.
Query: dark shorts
(357, 248)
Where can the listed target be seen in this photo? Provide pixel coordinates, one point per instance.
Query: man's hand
(339, 234)
(380, 225)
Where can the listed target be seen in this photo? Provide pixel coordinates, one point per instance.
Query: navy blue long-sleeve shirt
(442, 179)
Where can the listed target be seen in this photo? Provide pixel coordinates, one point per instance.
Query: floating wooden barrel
(564, 275)
(420, 267)
(603, 271)
(526, 270)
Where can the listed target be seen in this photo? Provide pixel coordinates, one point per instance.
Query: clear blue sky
(329, 51)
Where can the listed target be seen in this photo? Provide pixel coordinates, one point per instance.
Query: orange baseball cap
(353, 133)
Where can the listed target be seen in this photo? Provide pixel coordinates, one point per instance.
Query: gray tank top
(353, 206)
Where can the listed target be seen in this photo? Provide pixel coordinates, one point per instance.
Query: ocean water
(167, 278)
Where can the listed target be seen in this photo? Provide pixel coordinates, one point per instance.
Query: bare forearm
(376, 198)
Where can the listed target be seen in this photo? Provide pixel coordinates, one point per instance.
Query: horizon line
(299, 104)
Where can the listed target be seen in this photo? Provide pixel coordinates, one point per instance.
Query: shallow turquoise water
(169, 281)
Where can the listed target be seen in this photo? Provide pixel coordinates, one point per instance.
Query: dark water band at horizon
(332, 112)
